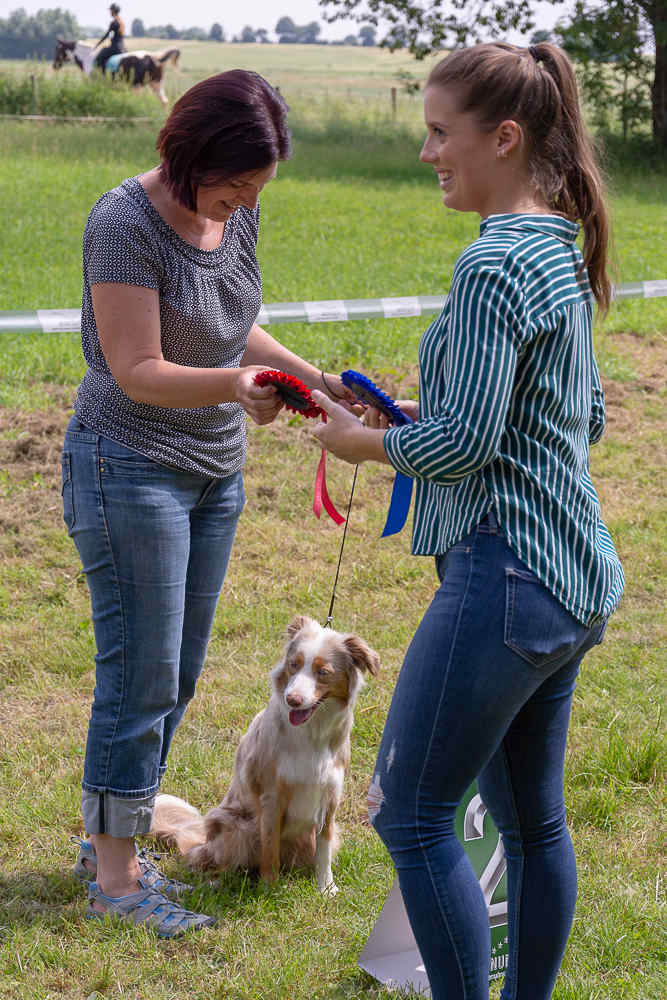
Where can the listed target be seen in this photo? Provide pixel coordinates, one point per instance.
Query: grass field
(353, 214)
(315, 80)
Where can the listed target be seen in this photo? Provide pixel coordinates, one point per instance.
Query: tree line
(24, 36)
(287, 32)
(619, 46)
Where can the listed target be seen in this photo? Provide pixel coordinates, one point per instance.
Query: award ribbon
(296, 397)
(401, 493)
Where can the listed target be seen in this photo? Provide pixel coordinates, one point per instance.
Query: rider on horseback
(116, 31)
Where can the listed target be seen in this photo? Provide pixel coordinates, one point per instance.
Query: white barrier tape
(655, 289)
(333, 311)
(326, 311)
(59, 320)
(406, 306)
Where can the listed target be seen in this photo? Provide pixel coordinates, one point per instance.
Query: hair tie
(534, 53)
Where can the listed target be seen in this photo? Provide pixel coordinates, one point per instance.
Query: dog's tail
(177, 822)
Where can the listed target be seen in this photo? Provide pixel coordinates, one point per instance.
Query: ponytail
(582, 193)
(537, 88)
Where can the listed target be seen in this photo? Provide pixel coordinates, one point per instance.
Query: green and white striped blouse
(510, 399)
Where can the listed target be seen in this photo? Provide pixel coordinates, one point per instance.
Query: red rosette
(294, 393)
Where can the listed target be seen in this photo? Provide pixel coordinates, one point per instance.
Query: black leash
(327, 624)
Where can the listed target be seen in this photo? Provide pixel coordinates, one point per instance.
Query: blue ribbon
(401, 494)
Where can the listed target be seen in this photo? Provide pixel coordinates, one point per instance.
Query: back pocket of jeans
(67, 490)
(537, 626)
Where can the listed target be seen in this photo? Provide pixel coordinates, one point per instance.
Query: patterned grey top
(209, 300)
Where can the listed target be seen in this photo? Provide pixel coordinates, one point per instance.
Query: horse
(138, 67)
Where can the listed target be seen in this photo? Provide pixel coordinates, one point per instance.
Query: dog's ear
(295, 626)
(363, 657)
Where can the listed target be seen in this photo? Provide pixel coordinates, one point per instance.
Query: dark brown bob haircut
(227, 125)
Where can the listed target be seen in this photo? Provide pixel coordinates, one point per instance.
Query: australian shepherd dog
(289, 767)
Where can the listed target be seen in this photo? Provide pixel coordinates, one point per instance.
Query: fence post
(393, 103)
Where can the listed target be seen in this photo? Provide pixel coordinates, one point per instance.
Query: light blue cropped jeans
(484, 693)
(154, 544)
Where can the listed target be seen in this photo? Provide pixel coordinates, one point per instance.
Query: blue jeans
(154, 543)
(484, 693)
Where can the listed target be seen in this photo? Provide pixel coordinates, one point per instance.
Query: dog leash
(327, 624)
(296, 397)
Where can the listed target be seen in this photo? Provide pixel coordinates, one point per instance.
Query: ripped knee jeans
(484, 693)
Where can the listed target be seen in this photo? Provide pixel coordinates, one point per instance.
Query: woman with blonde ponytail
(510, 402)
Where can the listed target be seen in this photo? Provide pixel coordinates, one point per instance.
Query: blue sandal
(85, 868)
(149, 908)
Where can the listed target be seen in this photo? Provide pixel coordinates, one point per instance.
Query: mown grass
(353, 214)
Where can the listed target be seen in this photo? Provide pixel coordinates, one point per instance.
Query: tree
(608, 45)
(286, 30)
(262, 36)
(216, 34)
(24, 37)
(367, 35)
(171, 32)
(435, 23)
(308, 33)
(194, 34)
(429, 26)
(138, 30)
(247, 35)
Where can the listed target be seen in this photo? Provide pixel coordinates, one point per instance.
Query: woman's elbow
(136, 383)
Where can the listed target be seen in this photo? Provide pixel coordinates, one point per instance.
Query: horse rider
(115, 31)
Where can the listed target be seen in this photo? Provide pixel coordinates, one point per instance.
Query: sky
(232, 17)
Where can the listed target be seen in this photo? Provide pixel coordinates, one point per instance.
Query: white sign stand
(391, 954)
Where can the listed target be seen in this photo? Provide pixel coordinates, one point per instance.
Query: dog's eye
(325, 672)
(292, 666)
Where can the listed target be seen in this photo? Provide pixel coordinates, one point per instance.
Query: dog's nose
(294, 700)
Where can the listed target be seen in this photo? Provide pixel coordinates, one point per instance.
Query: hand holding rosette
(297, 398)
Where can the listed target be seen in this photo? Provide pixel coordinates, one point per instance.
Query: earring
(502, 154)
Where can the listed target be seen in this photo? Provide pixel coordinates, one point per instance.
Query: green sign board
(391, 953)
(481, 840)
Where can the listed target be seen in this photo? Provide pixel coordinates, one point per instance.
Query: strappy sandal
(85, 868)
(148, 908)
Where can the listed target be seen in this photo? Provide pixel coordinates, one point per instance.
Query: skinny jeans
(484, 693)
(154, 544)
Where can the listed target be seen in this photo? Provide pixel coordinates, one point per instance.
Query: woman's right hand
(261, 402)
(378, 421)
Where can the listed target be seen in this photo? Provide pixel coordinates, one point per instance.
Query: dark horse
(137, 67)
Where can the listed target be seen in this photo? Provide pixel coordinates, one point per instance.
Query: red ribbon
(321, 497)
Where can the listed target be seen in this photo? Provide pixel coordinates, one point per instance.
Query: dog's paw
(330, 889)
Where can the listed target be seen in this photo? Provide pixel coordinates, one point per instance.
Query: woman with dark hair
(116, 32)
(510, 401)
(152, 460)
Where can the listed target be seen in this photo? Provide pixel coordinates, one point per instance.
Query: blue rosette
(401, 494)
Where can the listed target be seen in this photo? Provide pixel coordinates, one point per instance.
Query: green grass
(33, 89)
(352, 215)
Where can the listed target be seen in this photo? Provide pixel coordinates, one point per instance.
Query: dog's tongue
(298, 716)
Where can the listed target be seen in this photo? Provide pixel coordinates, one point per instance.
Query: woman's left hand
(338, 392)
(345, 435)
